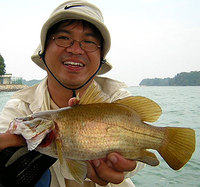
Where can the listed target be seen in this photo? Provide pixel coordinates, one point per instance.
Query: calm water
(181, 107)
(4, 97)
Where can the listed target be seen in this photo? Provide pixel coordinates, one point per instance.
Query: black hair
(54, 28)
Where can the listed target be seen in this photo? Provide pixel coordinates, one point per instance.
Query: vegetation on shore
(181, 79)
(2, 66)
(30, 82)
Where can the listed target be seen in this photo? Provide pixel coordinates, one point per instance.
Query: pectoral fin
(59, 151)
(77, 169)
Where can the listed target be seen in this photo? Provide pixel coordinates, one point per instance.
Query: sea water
(181, 108)
(4, 97)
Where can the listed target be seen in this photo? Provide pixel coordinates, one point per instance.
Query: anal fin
(145, 157)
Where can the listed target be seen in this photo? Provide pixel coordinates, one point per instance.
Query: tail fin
(178, 147)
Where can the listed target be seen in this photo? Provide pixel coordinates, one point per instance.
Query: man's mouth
(74, 64)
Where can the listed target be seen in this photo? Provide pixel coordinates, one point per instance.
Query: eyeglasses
(86, 45)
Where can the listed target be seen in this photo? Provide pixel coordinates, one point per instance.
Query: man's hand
(11, 140)
(109, 170)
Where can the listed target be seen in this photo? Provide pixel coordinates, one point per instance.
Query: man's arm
(11, 140)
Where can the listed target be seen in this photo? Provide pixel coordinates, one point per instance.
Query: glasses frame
(72, 43)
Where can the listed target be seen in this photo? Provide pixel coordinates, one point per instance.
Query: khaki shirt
(37, 98)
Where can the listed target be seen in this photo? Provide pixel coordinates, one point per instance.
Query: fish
(96, 127)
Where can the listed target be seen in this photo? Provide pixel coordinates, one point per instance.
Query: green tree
(2, 66)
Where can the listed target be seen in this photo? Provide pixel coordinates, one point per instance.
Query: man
(74, 43)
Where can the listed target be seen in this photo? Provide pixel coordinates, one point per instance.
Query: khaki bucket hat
(80, 10)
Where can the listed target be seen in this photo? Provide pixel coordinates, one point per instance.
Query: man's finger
(91, 174)
(73, 101)
(106, 173)
(120, 163)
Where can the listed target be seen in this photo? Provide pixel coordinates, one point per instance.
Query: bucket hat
(80, 10)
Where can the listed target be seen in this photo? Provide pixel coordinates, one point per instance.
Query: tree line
(181, 79)
(2, 66)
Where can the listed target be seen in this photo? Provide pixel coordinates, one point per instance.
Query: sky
(150, 38)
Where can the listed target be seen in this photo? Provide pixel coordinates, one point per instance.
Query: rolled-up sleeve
(13, 108)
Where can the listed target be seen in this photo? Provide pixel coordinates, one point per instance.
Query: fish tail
(178, 146)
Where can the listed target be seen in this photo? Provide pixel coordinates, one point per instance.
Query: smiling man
(73, 55)
(74, 44)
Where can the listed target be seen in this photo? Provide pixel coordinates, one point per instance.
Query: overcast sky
(150, 38)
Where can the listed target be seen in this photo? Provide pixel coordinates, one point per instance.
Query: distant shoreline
(181, 79)
(11, 87)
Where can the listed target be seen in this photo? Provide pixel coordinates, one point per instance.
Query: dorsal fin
(93, 95)
(147, 109)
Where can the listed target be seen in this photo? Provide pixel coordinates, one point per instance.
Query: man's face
(72, 65)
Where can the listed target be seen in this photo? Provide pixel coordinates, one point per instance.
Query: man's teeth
(73, 63)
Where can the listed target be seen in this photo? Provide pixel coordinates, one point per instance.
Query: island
(181, 79)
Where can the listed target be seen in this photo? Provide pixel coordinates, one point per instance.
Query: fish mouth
(71, 63)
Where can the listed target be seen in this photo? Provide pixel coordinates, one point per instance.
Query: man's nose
(75, 48)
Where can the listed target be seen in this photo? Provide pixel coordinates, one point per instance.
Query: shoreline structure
(11, 87)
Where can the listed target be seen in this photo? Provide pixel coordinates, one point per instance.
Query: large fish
(91, 131)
